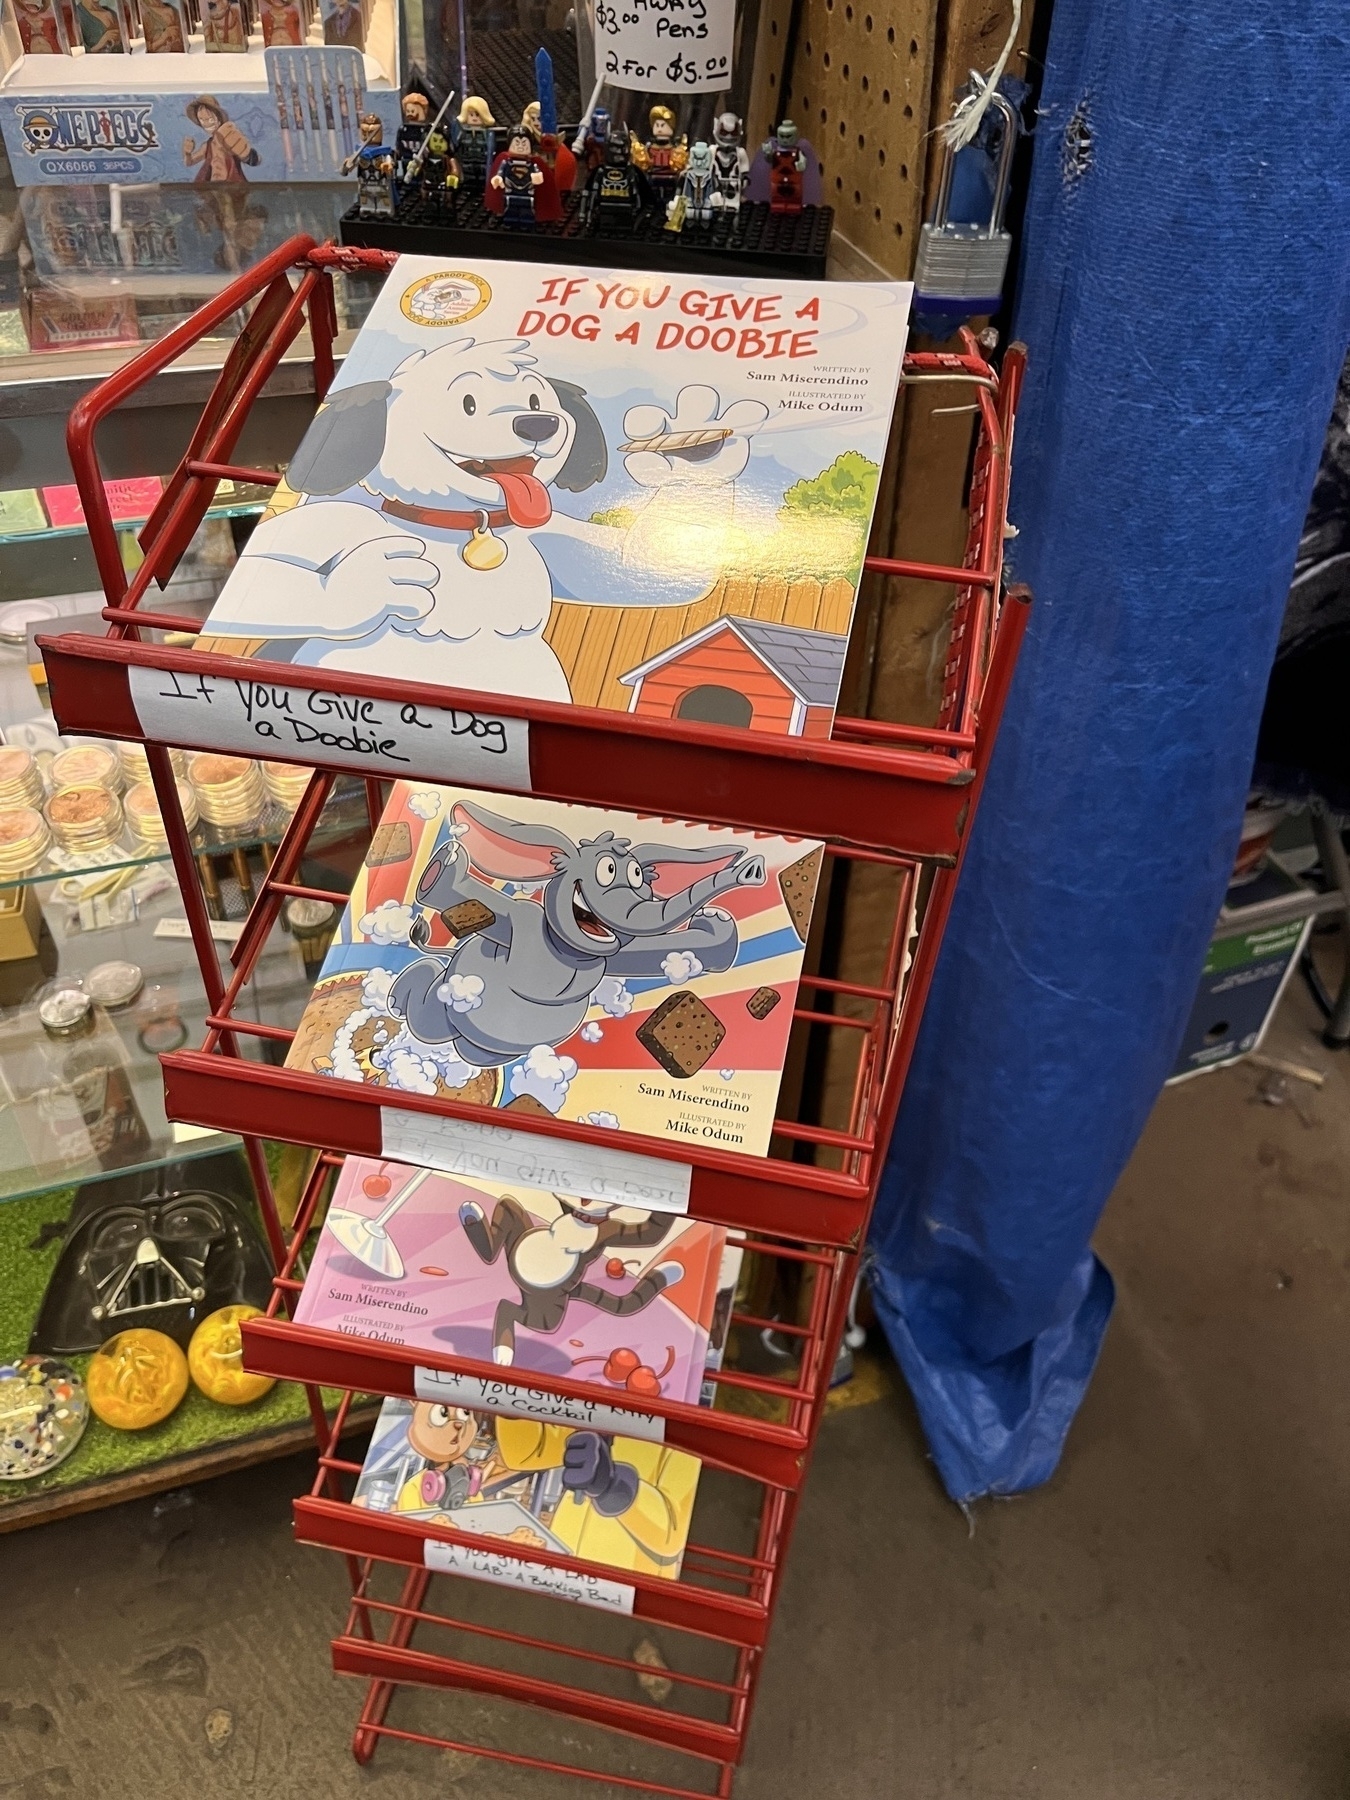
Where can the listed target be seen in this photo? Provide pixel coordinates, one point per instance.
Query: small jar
(65, 1011)
(86, 765)
(143, 815)
(230, 790)
(24, 840)
(286, 783)
(135, 765)
(20, 778)
(84, 818)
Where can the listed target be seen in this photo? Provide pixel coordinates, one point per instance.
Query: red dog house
(747, 672)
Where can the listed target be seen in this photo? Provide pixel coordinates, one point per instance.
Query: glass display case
(97, 980)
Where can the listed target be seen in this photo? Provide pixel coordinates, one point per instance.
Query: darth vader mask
(164, 1260)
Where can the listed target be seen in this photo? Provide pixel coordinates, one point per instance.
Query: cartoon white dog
(426, 544)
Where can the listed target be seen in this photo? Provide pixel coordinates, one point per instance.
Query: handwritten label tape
(268, 719)
(510, 1571)
(477, 1392)
(494, 1152)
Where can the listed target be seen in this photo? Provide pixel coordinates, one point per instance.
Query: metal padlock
(960, 268)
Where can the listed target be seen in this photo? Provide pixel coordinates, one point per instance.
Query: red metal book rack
(893, 799)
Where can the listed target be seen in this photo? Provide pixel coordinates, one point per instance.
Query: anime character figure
(613, 195)
(786, 173)
(224, 26)
(695, 198)
(415, 110)
(607, 907)
(344, 23)
(40, 28)
(548, 1263)
(661, 157)
(521, 188)
(100, 27)
(373, 165)
(428, 537)
(164, 27)
(282, 23)
(474, 142)
(731, 165)
(225, 152)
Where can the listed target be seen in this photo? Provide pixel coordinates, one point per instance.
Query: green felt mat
(26, 1264)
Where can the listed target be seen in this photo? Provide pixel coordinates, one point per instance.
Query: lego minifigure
(416, 110)
(731, 165)
(593, 145)
(662, 157)
(786, 172)
(521, 188)
(474, 142)
(373, 165)
(613, 196)
(694, 202)
(530, 123)
(439, 174)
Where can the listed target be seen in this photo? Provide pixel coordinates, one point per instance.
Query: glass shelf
(346, 807)
(233, 509)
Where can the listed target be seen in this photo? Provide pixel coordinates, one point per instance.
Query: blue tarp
(1186, 299)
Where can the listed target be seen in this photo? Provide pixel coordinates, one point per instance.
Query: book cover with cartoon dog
(622, 1299)
(650, 493)
(526, 954)
(621, 1501)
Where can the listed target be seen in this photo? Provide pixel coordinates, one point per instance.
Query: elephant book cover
(648, 493)
(635, 1303)
(635, 973)
(624, 1502)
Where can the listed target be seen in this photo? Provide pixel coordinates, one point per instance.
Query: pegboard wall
(860, 87)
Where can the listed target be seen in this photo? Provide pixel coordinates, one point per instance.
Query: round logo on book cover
(448, 297)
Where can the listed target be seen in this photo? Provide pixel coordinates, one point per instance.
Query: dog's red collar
(445, 520)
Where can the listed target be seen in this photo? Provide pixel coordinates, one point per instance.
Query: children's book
(510, 952)
(645, 492)
(622, 1299)
(529, 1485)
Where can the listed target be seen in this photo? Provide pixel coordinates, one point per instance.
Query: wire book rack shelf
(893, 801)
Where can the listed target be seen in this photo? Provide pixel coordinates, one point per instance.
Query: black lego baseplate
(759, 242)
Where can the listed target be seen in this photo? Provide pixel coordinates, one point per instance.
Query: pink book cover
(130, 499)
(638, 973)
(517, 1277)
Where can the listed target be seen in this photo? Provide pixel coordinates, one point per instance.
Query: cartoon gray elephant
(610, 908)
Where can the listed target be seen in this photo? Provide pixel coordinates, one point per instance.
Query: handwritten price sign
(274, 721)
(665, 46)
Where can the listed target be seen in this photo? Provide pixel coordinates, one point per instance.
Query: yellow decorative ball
(216, 1358)
(136, 1379)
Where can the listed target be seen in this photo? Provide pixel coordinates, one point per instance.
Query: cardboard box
(1244, 976)
(60, 321)
(261, 115)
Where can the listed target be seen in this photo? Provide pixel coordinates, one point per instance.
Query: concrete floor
(1167, 1620)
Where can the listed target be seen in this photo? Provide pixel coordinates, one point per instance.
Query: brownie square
(797, 884)
(390, 844)
(762, 1002)
(682, 1034)
(466, 918)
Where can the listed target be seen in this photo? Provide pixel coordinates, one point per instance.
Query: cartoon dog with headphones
(427, 544)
